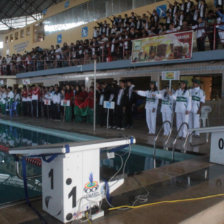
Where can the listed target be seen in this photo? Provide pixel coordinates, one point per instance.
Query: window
(21, 33)
(1, 44)
(28, 31)
(16, 36)
(11, 37)
(6, 39)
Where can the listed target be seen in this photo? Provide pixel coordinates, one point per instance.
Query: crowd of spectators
(112, 39)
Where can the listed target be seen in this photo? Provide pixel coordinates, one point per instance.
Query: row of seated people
(113, 41)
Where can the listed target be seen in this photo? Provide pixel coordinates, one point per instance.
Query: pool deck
(187, 179)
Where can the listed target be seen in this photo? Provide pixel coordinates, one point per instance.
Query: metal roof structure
(18, 13)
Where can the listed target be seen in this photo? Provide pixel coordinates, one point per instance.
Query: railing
(20, 176)
(175, 139)
(156, 138)
(66, 59)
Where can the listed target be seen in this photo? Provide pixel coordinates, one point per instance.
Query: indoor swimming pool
(13, 135)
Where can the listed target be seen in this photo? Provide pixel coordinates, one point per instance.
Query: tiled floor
(187, 179)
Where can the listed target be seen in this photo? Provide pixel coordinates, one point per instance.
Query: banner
(171, 75)
(173, 46)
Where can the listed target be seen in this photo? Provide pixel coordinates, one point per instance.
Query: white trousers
(167, 116)
(151, 120)
(181, 118)
(194, 121)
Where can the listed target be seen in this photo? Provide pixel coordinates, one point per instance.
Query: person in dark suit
(103, 96)
(131, 97)
(121, 104)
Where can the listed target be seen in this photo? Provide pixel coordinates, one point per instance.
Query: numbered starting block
(71, 175)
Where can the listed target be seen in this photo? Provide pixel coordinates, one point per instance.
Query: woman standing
(183, 107)
(166, 109)
(150, 106)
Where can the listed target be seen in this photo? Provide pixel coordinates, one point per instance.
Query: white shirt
(56, 98)
(183, 101)
(120, 94)
(198, 97)
(151, 101)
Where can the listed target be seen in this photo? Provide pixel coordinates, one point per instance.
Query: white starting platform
(217, 142)
(71, 176)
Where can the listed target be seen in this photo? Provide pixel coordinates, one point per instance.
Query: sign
(26, 81)
(171, 75)
(47, 102)
(44, 12)
(85, 31)
(66, 5)
(109, 105)
(65, 103)
(20, 47)
(161, 10)
(173, 46)
(217, 148)
(59, 38)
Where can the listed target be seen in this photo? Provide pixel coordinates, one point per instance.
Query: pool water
(11, 187)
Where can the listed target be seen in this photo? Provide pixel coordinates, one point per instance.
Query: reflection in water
(11, 187)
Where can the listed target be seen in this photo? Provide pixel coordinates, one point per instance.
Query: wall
(70, 35)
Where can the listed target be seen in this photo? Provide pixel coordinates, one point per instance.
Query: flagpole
(94, 100)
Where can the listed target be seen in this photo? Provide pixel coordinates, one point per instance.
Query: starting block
(71, 176)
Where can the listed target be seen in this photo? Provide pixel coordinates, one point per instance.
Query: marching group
(112, 39)
(69, 102)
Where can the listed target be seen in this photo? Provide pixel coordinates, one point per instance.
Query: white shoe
(122, 129)
(118, 128)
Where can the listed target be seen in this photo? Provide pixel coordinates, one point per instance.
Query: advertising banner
(172, 46)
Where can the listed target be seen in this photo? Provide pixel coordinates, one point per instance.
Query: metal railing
(156, 138)
(175, 139)
(20, 176)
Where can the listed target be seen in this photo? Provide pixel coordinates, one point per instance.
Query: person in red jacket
(68, 97)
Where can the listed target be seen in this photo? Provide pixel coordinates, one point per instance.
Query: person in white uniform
(166, 109)
(150, 106)
(197, 99)
(182, 108)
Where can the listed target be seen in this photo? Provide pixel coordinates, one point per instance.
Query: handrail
(157, 136)
(175, 139)
(20, 176)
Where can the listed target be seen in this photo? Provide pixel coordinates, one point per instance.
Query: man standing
(56, 100)
(36, 101)
(130, 94)
(120, 109)
(198, 98)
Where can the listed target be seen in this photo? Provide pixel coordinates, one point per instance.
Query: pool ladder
(165, 146)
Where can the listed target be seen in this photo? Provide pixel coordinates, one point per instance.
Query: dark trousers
(47, 111)
(56, 111)
(24, 108)
(102, 116)
(36, 105)
(129, 118)
(119, 114)
(29, 108)
(201, 44)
